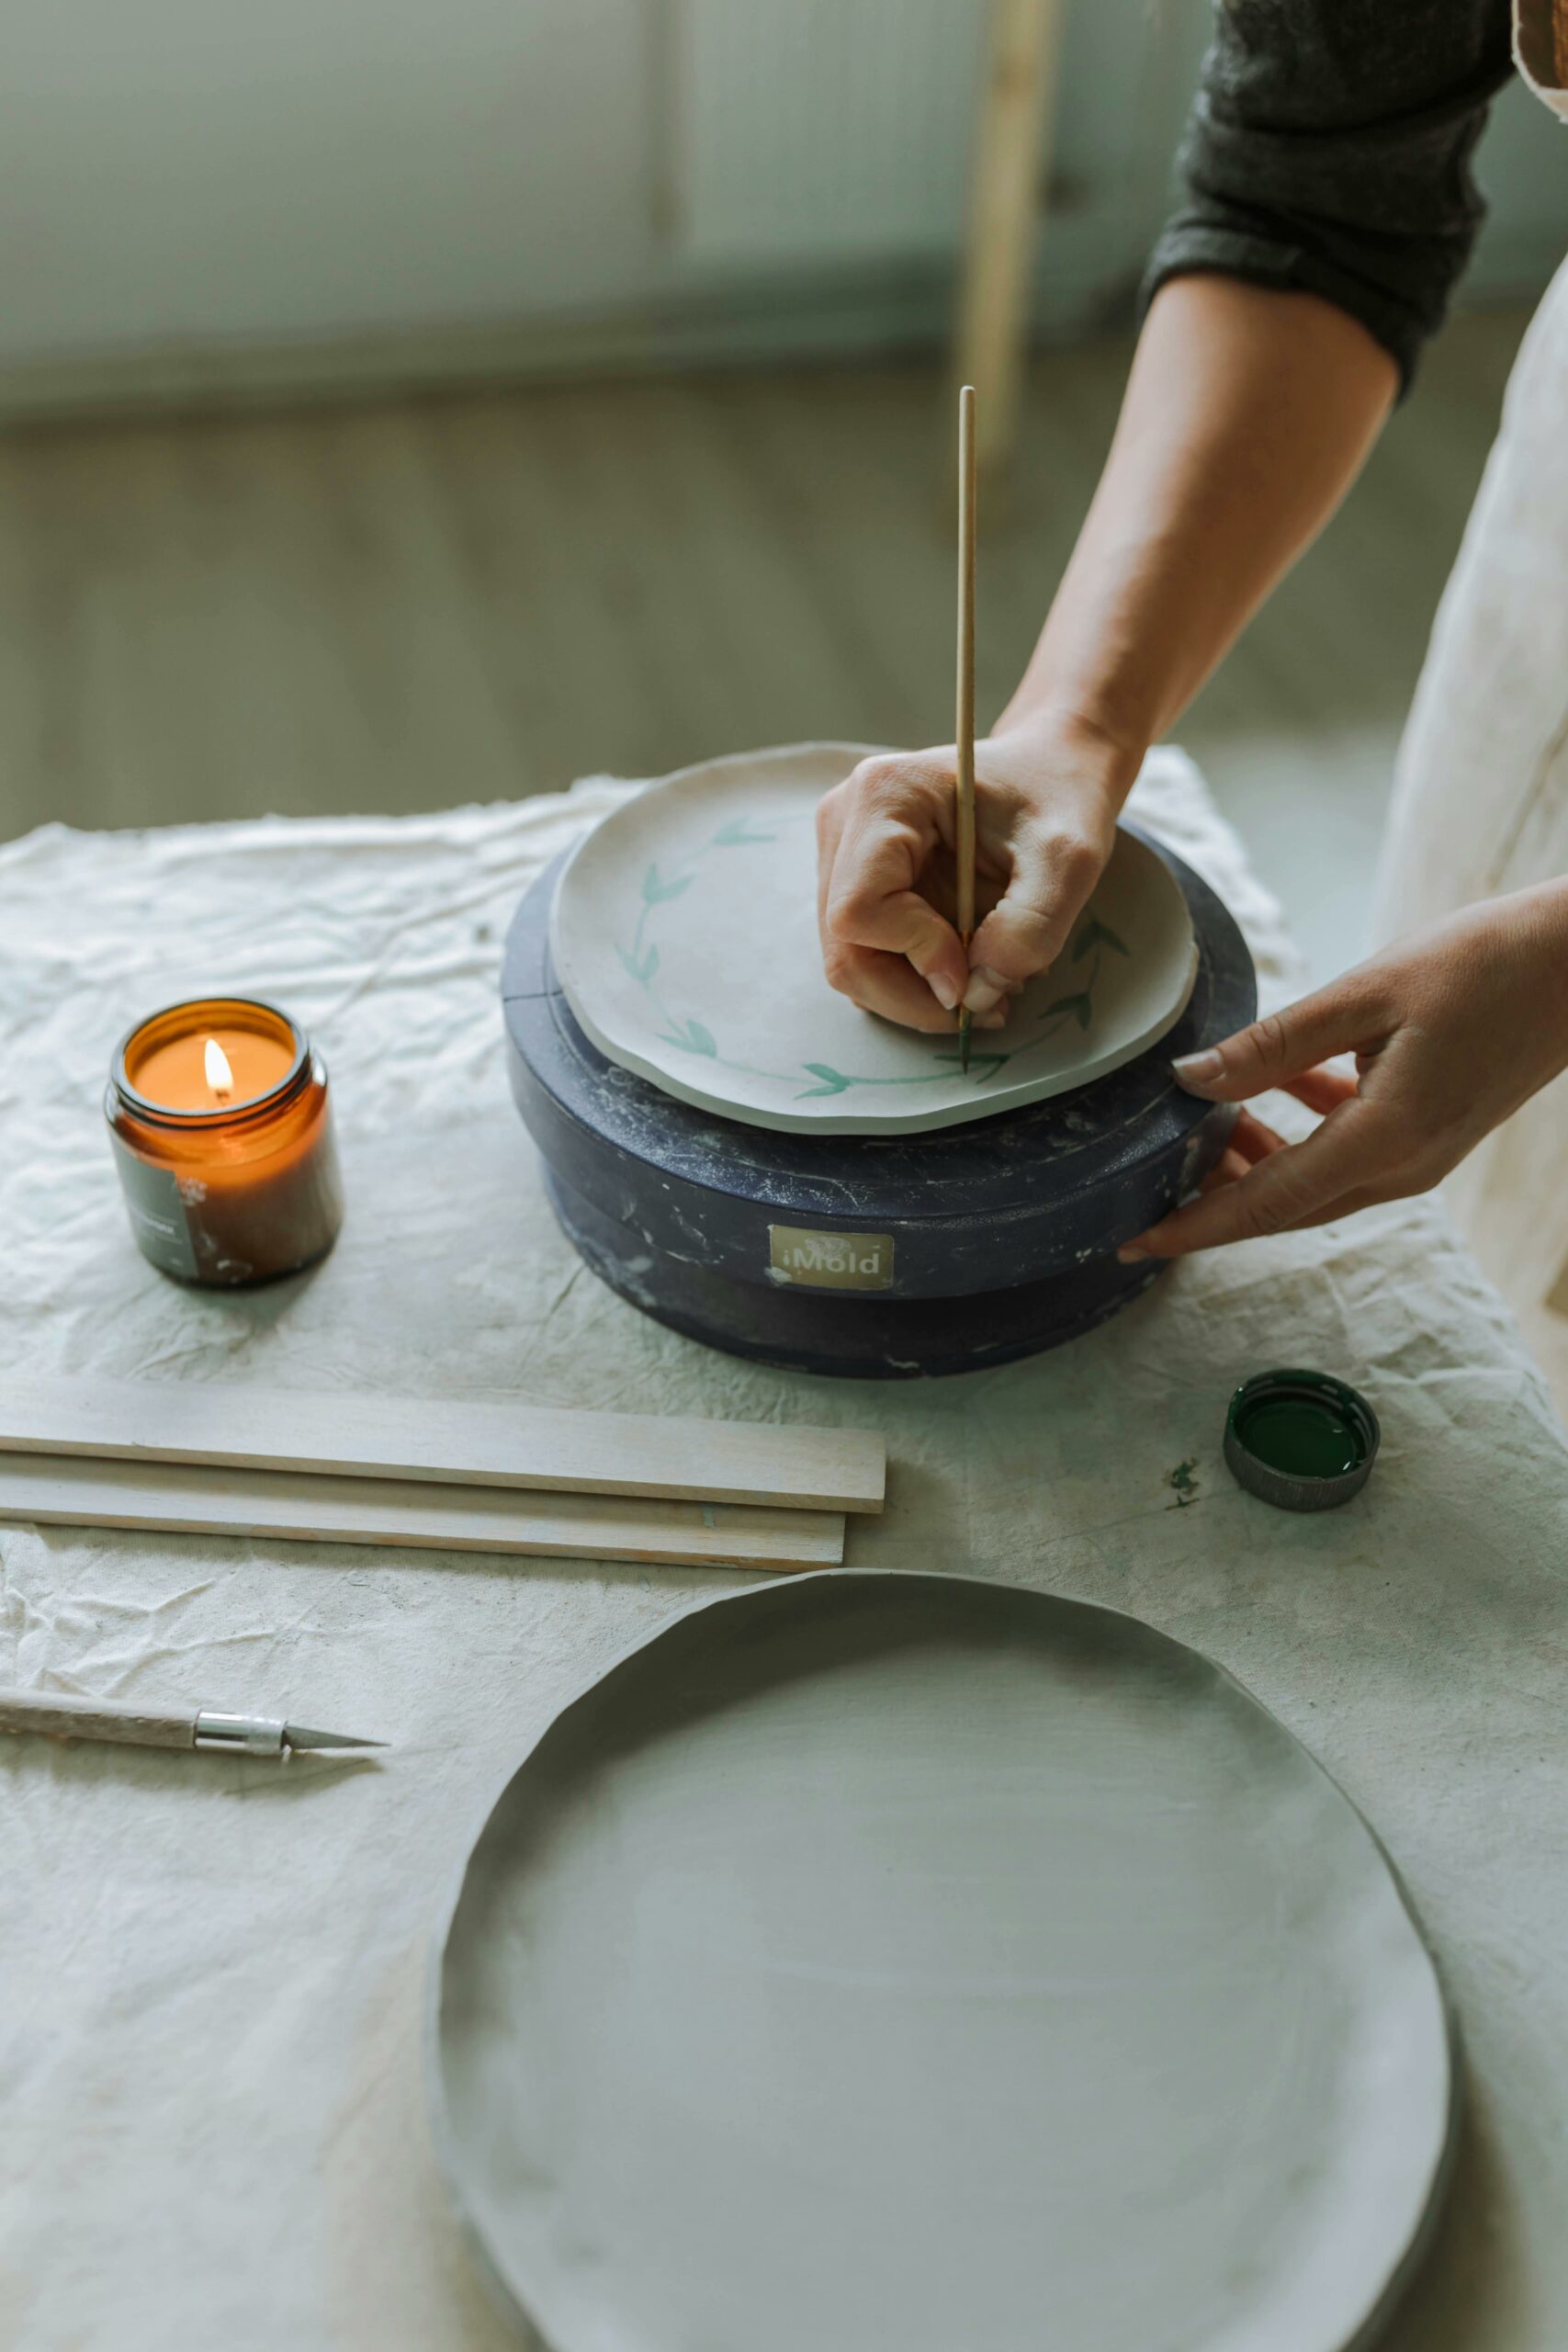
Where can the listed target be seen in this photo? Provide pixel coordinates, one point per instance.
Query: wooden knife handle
(62, 1715)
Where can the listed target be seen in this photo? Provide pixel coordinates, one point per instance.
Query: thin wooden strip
(55, 1489)
(454, 1441)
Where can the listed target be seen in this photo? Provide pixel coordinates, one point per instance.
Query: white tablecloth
(211, 2118)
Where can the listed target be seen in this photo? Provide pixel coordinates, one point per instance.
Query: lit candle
(222, 1128)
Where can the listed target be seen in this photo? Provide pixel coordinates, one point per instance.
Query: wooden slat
(448, 1439)
(60, 1489)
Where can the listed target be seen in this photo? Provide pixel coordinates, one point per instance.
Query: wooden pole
(1006, 203)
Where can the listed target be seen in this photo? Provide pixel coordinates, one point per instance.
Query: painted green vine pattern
(1087, 948)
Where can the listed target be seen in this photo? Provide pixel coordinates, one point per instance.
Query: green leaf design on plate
(1080, 1004)
(1096, 934)
(691, 1038)
(656, 889)
(735, 835)
(641, 967)
(689, 1035)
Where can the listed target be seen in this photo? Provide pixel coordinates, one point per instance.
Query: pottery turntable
(763, 1167)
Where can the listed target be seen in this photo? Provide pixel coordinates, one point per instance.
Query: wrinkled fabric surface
(211, 1973)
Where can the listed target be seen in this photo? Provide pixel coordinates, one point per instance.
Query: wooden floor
(460, 598)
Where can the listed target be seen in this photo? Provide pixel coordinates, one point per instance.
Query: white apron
(1480, 788)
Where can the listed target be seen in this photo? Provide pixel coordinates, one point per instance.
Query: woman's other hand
(1451, 1030)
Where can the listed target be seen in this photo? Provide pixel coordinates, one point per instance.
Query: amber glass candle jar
(222, 1129)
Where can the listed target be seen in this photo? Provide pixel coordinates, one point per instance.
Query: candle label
(158, 1211)
(830, 1260)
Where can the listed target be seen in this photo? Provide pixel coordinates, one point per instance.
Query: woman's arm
(1247, 414)
(1328, 209)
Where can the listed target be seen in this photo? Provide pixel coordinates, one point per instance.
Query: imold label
(830, 1260)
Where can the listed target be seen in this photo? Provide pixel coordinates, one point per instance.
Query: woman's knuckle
(1271, 1037)
(850, 909)
(1073, 860)
(885, 775)
(1265, 1214)
(897, 788)
(1017, 948)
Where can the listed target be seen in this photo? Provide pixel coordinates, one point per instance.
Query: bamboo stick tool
(964, 732)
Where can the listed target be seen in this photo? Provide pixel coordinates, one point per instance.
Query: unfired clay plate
(890, 1961)
(685, 937)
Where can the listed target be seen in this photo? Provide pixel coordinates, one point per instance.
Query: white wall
(254, 168)
(203, 174)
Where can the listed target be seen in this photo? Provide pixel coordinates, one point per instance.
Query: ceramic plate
(685, 937)
(874, 1961)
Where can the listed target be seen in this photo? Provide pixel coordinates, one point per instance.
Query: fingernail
(996, 1019)
(942, 988)
(1130, 1254)
(984, 986)
(1198, 1070)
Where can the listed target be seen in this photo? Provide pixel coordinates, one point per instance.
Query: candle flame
(220, 1077)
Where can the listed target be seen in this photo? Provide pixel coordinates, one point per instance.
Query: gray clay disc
(901, 1961)
(683, 933)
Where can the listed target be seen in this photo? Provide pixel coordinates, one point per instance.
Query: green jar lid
(1301, 1441)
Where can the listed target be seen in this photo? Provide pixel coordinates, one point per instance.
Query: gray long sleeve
(1328, 149)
